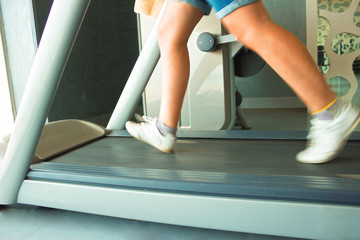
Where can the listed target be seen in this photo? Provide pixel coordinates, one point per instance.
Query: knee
(170, 38)
(250, 28)
(250, 35)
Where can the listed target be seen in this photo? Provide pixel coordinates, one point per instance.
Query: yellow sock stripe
(326, 107)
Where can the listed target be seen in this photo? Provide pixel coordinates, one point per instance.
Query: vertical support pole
(58, 38)
(311, 27)
(139, 77)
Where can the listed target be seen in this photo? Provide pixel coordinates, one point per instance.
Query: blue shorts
(222, 7)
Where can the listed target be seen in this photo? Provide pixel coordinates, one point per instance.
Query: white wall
(18, 21)
(6, 118)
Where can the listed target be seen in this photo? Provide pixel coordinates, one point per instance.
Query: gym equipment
(245, 63)
(261, 190)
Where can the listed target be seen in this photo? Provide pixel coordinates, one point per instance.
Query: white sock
(329, 111)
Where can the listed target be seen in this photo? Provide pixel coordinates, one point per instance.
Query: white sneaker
(147, 131)
(327, 138)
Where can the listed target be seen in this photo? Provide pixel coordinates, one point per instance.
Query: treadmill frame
(270, 217)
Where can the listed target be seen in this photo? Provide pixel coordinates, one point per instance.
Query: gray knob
(206, 42)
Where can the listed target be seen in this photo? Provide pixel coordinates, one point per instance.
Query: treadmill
(226, 180)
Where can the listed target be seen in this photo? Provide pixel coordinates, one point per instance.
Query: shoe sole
(159, 148)
(342, 145)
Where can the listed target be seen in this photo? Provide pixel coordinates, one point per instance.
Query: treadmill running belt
(236, 168)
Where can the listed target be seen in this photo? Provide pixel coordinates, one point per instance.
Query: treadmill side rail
(271, 217)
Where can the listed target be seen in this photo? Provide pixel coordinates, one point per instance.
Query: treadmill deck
(260, 169)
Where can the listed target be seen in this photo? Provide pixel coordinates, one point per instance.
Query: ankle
(329, 111)
(165, 129)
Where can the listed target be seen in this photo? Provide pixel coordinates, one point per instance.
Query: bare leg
(282, 51)
(174, 31)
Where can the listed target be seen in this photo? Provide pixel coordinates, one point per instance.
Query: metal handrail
(139, 77)
(58, 38)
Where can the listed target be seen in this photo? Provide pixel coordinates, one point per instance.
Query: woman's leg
(334, 121)
(174, 31)
(282, 51)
